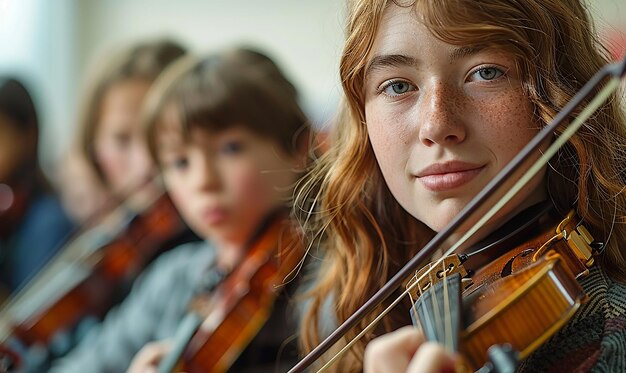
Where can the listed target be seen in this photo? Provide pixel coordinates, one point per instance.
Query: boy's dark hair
(239, 87)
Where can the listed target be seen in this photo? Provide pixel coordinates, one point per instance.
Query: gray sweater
(151, 312)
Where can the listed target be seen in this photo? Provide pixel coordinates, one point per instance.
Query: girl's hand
(405, 350)
(148, 358)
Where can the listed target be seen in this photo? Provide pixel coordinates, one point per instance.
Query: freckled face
(443, 120)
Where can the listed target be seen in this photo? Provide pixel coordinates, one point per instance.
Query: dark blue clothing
(41, 233)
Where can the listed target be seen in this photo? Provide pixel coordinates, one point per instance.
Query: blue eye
(180, 163)
(397, 88)
(232, 147)
(487, 73)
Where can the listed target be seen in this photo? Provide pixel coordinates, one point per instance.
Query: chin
(437, 218)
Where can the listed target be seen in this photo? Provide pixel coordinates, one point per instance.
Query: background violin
(224, 320)
(90, 275)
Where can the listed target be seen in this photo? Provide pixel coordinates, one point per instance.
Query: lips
(214, 215)
(445, 176)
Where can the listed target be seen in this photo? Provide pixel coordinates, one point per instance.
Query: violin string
(413, 309)
(421, 290)
(418, 322)
(366, 329)
(570, 130)
(435, 304)
(447, 319)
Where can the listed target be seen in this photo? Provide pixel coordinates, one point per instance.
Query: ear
(304, 149)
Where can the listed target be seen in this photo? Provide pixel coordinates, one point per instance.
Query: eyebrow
(461, 52)
(399, 60)
(390, 60)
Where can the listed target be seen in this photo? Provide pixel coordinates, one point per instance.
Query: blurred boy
(230, 139)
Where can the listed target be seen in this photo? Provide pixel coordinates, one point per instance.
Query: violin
(552, 268)
(509, 306)
(223, 321)
(86, 280)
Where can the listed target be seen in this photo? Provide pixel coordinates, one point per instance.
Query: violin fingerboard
(438, 312)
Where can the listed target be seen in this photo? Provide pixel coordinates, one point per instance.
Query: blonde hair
(364, 231)
(143, 61)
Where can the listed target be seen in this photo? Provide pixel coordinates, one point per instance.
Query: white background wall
(305, 37)
(52, 43)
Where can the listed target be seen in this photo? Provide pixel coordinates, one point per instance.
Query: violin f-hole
(507, 270)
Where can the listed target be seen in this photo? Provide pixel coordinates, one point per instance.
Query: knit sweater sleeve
(612, 353)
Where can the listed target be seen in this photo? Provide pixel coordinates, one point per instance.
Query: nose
(440, 122)
(207, 175)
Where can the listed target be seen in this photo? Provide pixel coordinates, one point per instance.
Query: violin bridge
(436, 272)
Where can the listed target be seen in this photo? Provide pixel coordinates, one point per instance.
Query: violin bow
(614, 71)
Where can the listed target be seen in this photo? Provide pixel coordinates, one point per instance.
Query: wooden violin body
(520, 299)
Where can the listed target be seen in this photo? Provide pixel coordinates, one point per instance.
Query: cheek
(510, 125)
(110, 160)
(245, 182)
(182, 198)
(390, 140)
(260, 182)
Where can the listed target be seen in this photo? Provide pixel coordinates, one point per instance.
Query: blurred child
(32, 221)
(127, 220)
(230, 139)
(110, 140)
